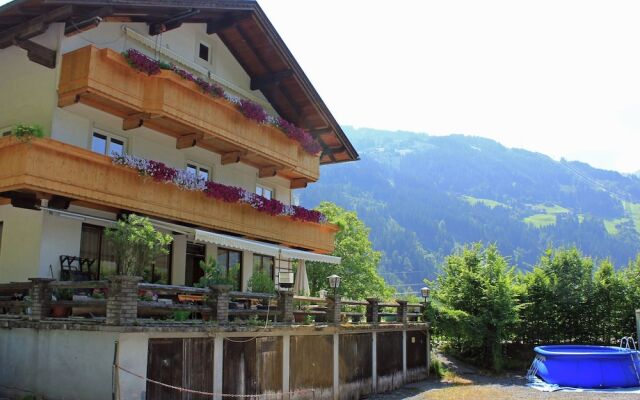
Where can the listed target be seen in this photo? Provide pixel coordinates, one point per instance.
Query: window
(107, 144)
(94, 245)
(264, 264)
(204, 52)
(264, 192)
(198, 169)
(231, 262)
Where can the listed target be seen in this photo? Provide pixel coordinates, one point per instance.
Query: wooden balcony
(169, 104)
(52, 167)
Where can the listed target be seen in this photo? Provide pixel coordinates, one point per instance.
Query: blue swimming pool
(588, 366)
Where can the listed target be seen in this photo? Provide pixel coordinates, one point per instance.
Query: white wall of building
(28, 89)
(60, 236)
(21, 241)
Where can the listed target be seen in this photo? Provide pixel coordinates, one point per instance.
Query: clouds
(560, 77)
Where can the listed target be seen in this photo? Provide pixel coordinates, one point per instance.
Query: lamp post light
(334, 283)
(425, 294)
(285, 279)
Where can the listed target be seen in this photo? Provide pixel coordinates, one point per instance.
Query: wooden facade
(101, 78)
(46, 166)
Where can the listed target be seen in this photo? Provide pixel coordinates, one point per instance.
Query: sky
(561, 77)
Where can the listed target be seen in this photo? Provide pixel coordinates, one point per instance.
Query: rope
(181, 389)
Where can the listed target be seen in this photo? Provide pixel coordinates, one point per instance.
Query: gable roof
(241, 25)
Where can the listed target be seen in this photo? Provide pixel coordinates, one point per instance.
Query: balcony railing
(101, 78)
(124, 300)
(53, 167)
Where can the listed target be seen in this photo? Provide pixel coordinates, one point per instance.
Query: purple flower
(142, 62)
(253, 111)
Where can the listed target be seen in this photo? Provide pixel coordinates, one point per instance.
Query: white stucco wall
(21, 241)
(60, 236)
(28, 89)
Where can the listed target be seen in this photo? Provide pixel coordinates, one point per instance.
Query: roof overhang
(241, 25)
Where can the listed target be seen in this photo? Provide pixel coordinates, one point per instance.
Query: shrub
(261, 282)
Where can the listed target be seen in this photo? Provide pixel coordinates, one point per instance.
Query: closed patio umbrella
(301, 284)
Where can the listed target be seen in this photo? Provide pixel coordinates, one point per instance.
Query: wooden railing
(102, 79)
(53, 167)
(125, 301)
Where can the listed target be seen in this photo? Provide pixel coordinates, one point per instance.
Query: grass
(611, 225)
(540, 220)
(633, 209)
(485, 202)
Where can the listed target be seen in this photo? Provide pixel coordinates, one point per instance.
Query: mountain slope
(424, 195)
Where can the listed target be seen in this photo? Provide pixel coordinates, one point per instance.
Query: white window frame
(263, 188)
(109, 136)
(200, 166)
(209, 46)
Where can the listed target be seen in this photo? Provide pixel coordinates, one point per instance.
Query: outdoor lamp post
(425, 294)
(334, 283)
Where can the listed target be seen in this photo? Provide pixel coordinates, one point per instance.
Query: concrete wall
(76, 364)
(61, 364)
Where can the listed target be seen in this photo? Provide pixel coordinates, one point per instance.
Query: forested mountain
(425, 195)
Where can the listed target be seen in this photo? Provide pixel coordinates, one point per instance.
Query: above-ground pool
(588, 366)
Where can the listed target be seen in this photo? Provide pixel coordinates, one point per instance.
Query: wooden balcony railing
(101, 78)
(125, 301)
(53, 167)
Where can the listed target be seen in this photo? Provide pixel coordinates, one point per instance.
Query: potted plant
(261, 282)
(58, 310)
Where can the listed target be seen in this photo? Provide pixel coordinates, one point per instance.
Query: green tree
(137, 244)
(609, 297)
(475, 300)
(359, 266)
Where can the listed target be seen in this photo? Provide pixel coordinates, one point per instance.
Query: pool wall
(583, 366)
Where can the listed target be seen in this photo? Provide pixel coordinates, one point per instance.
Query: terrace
(224, 342)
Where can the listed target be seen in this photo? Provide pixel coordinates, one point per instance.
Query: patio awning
(261, 248)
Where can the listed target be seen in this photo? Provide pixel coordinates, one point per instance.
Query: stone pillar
(403, 312)
(40, 298)
(373, 310)
(122, 300)
(218, 300)
(336, 366)
(334, 309)
(285, 306)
